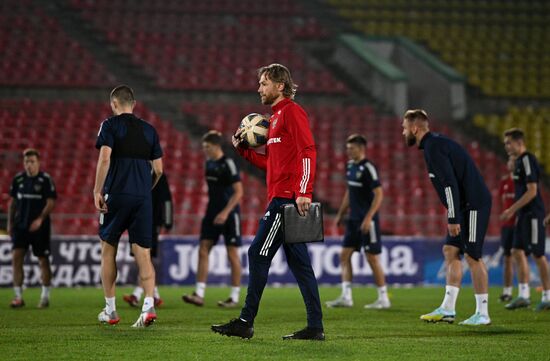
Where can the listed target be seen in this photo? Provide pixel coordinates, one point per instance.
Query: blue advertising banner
(406, 261)
(401, 258)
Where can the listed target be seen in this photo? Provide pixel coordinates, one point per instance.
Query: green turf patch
(69, 330)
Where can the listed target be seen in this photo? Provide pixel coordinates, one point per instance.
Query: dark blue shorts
(529, 234)
(231, 230)
(39, 240)
(473, 229)
(126, 212)
(356, 239)
(507, 239)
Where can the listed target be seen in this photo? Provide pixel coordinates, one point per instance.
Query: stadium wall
(406, 261)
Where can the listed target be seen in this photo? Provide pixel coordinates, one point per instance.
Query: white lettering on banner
(67, 250)
(324, 259)
(180, 271)
(316, 251)
(64, 275)
(278, 266)
(402, 261)
(5, 252)
(5, 275)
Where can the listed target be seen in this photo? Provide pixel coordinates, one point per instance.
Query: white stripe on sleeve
(527, 165)
(450, 204)
(305, 174)
(232, 166)
(372, 171)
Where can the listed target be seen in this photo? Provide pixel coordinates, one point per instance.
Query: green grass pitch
(69, 330)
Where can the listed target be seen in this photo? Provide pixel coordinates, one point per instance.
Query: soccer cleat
(193, 299)
(542, 306)
(17, 303)
(44, 303)
(131, 300)
(307, 333)
(158, 301)
(518, 302)
(505, 298)
(340, 302)
(146, 319)
(111, 319)
(439, 315)
(379, 305)
(229, 303)
(477, 319)
(236, 327)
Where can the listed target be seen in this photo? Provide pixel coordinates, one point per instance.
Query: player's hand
(365, 225)
(35, 225)
(99, 203)
(221, 218)
(506, 215)
(454, 229)
(547, 220)
(303, 204)
(236, 138)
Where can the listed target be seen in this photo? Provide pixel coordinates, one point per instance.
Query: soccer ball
(255, 128)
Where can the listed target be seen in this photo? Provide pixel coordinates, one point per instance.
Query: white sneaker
(111, 319)
(379, 305)
(146, 318)
(340, 302)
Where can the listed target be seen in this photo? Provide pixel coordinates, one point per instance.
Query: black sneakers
(307, 334)
(235, 327)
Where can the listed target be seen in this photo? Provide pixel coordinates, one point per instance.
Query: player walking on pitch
(290, 165)
(128, 148)
(529, 235)
(463, 192)
(364, 197)
(225, 191)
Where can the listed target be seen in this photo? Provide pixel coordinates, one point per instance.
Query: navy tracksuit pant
(262, 250)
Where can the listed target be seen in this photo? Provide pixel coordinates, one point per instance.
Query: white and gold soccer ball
(255, 129)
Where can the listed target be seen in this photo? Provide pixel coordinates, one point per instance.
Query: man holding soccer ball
(290, 165)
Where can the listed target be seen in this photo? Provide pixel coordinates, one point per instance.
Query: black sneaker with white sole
(307, 333)
(236, 327)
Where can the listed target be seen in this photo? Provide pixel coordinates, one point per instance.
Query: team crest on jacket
(37, 187)
(274, 123)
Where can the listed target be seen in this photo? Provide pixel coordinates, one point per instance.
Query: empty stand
(214, 45)
(499, 45)
(36, 52)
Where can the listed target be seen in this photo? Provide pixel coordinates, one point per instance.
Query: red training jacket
(290, 153)
(507, 195)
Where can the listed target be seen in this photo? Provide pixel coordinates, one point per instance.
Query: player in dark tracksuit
(363, 198)
(129, 151)
(33, 197)
(225, 191)
(290, 165)
(529, 237)
(463, 192)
